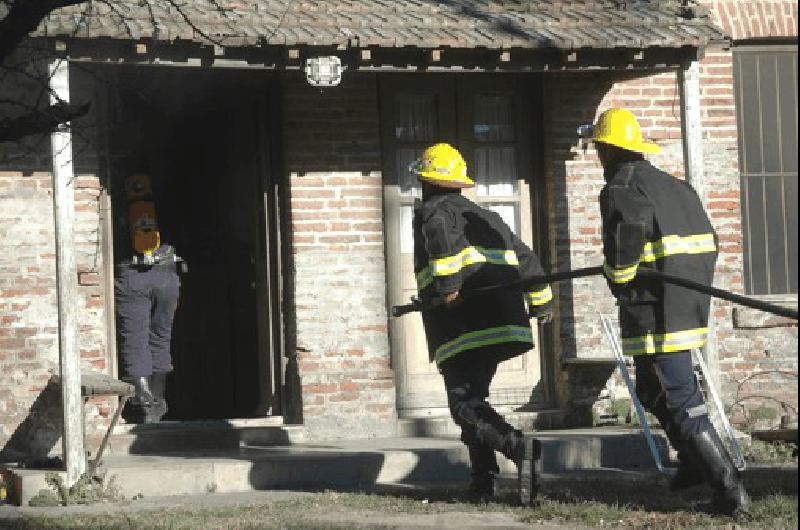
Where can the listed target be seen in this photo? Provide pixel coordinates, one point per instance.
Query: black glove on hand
(543, 313)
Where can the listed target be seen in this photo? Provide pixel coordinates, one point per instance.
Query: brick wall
(29, 410)
(332, 153)
(757, 355)
(752, 19)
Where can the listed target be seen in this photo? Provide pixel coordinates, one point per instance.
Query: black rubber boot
(730, 497)
(137, 409)
(158, 386)
(689, 474)
(483, 482)
(488, 428)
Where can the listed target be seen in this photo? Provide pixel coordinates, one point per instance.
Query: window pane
(787, 85)
(776, 242)
(507, 211)
(768, 78)
(415, 118)
(409, 185)
(790, 196)
(493, 121)
(495, 171)
(757, 231)
(746, 251)
(750, 136)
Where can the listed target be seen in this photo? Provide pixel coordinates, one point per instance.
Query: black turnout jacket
(459, 246)
(651, 218)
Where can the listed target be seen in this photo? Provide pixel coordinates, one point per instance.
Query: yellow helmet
(619, 127)
(442, 165)
(142, 214)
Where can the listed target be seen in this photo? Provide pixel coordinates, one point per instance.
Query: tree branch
(41, 121)
(23, 17)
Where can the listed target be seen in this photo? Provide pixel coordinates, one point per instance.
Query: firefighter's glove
(542, 313)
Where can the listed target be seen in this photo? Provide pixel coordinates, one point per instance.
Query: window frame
(748, 275)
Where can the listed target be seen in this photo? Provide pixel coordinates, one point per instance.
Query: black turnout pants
(146, 300)
(483, 430)
(667, 388)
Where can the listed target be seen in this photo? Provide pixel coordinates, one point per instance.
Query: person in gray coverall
(146, 291)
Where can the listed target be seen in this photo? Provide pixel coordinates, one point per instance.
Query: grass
(601, 502)
(761, 452)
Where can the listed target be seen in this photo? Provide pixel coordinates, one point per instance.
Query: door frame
(536, 190)
(270, 240)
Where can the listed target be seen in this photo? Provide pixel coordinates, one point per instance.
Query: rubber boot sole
(529, 471)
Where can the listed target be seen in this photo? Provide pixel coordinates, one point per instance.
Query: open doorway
(203, 138)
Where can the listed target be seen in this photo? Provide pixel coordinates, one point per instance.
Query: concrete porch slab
(340, 464)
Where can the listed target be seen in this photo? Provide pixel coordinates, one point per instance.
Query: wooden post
(692, 134)
(67, 281)
(691, 125)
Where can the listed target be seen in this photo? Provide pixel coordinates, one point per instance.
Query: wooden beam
(67, 282)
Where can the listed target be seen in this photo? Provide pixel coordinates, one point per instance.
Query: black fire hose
(720, 293)
(522, 283)
(430, 303)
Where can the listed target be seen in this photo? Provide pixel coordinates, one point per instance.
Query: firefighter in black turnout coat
(651, 218)
(459, 245)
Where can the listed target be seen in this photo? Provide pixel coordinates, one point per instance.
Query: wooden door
(488, 119)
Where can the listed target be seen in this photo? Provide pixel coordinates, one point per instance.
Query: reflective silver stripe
(540, 297)
(652, 343)
(483, 337)
(671, 245)
(469, 255)
(698, 410)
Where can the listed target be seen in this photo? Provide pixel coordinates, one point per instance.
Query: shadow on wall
(573, 101)
(41, 430)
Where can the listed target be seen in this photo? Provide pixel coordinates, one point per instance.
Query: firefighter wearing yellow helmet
(459, 245)
(651, 218)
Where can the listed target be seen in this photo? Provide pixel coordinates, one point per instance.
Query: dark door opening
(201, 136)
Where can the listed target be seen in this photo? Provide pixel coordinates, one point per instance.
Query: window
(765, 78)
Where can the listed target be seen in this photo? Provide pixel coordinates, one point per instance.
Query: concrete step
(188, 436)
(341, 464)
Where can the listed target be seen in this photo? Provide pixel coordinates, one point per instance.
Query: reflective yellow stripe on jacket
(651, 343)
(672, 245)
(622, 274)
(540, 297)
(655, 250)
(469, 255)
(483, 337)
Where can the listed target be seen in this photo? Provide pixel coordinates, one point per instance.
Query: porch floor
(343, 464)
